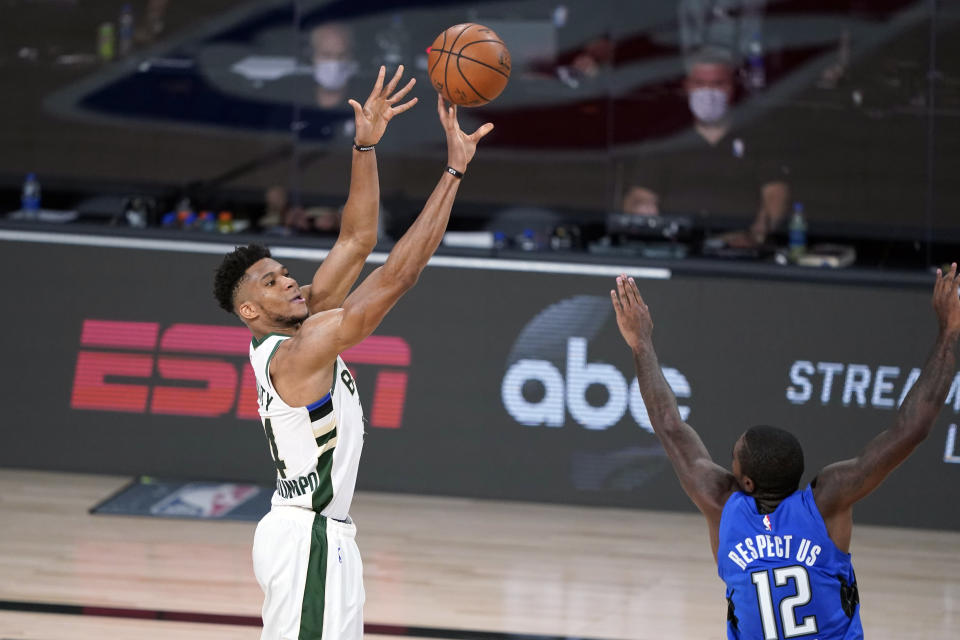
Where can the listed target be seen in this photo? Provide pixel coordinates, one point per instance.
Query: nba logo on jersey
(766, 523)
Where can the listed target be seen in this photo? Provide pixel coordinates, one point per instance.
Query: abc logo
(562, 331)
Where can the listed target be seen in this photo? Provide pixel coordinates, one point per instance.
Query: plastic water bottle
(125, 30)
(225, 222)
(208, 222)
(756, 71)
(527, 241)
(797, 242)
(105, 41)
(30, 197)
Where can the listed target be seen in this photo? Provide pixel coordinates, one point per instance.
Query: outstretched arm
(365, 308)
(308, 357)
(841, 484)
(358, 227)
(707, 483)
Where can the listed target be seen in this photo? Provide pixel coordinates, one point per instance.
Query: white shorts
(312, 578)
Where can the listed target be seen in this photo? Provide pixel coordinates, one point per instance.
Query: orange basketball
(469, 64)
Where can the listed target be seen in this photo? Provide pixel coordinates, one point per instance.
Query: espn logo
(126, 377)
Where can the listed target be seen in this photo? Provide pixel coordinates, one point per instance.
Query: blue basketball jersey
(785, 578)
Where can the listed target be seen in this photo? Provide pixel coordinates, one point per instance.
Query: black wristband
(359, 148)
(456, 174)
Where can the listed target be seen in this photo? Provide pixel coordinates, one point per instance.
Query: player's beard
(287, 321)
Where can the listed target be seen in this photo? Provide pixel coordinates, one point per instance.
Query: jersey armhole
(727, 503)
(723, 512)
(329, 396)
(821, 524)
(266, 370)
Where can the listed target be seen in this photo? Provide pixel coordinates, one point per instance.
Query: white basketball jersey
(316, 448)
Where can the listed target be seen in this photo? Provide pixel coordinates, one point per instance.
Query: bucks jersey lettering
(316, 449)
(785, 578)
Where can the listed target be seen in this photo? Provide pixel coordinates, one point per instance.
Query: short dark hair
(231, 271)
(773, 459)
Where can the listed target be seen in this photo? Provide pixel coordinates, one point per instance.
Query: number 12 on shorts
(781, 576)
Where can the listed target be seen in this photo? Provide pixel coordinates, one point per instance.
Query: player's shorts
(312, 578)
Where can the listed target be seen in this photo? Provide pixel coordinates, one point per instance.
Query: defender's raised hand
(380, 107)
(460, 146)
(633, 315)
(946, 301)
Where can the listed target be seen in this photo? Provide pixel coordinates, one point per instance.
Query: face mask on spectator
(708, 105)
(333, 74)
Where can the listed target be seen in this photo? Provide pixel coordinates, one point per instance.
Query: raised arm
(839, 485)
(707, 483)
(358, 227)
(365, 308)
(308, 357)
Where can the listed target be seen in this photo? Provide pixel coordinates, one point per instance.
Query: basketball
(469, 64)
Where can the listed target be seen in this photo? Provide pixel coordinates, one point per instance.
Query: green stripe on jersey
(314, 591)
(327, 437)
(323, 494)
(259, 341)
(273, 352)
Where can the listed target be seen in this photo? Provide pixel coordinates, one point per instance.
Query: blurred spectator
(640, 201)
(317, 220)
(277, 208)
(730, 25)
(595, 55)
(334, 64)
(709, 86)
(153, 25)
(280, 217)
(721, 170)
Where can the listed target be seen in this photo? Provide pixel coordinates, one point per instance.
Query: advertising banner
(491, 383)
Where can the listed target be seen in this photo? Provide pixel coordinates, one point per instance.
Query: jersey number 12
(791, 629)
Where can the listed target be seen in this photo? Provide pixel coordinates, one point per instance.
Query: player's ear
(746, 484)
(248, 311)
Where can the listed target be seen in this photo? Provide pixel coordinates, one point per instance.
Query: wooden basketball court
(434, 568)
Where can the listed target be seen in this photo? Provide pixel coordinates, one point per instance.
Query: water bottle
(225, 222)
(105, 41)
(208, 222)
(797, 242)
(561, 240)
(527, 241)
(125, 30)
(30, 198)
(756, 72)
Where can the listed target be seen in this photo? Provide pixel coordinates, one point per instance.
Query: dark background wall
(743, 352)
(860, 102)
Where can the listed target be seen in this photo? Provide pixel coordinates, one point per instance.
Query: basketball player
(783, 552)
(304, 554)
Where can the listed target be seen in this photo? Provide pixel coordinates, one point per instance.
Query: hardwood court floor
(429, 562)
